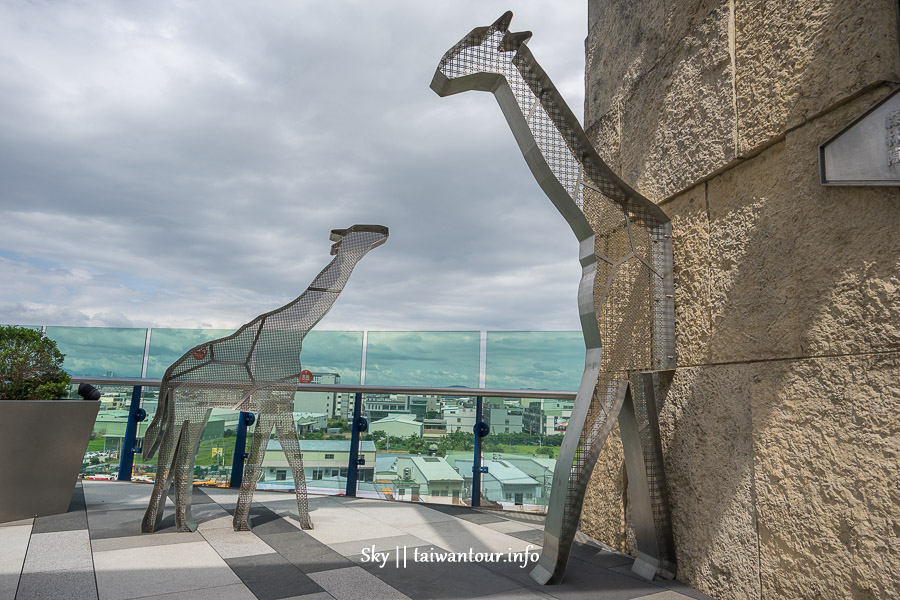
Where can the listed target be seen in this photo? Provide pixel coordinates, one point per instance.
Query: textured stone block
(796, 59)
(798, 268)
(705, 427)
(604, 133)
(603, 512)
(690, 243)
(678, 123)
(623, 44)
(827, 443)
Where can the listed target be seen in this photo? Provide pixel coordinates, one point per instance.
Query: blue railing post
(359, 424)
(135, 415)
(480, 430)
(240, 449)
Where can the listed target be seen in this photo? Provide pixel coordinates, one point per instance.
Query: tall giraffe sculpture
(254, 369)
(625, 298)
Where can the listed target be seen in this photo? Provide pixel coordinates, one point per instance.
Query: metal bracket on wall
(867, 151)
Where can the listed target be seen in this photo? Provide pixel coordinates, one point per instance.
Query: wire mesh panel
(625, 297)
(243, 371)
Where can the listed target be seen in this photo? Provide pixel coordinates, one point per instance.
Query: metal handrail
(138, 383)
(359, 389)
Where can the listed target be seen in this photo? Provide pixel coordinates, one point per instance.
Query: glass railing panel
(544, 360)
(100, 351)
(333, 353)
(168, 345)
(107, 442)
(423, 358)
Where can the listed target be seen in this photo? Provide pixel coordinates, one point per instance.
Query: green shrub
(30, 366)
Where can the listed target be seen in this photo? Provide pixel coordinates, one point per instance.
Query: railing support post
(359, 424)
(240, 449)
(135, 416)
(480, 430)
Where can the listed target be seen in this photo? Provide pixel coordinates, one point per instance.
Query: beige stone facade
(781, 425)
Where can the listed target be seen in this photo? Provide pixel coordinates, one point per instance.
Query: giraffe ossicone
(625, 298)
(255, 369)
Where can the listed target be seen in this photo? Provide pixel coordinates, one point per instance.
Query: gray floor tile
(585, 581)
(58, 585)
(271, 577)
(59, 551)
(473, 515)
(156, 570)
(13, 546)
(518, 594)
(355, 583)
(666, 595)
(28, 522)
(535, 536)
(510, 527)
(69, 521)
(316, 596)
(113, 495)
(127, 522)
(267, 522)
(600, 557)
(683, 589)
(306, 552)
(229, 543)
(425, 580)
(236, 591)
(378, 544)
(144, 540)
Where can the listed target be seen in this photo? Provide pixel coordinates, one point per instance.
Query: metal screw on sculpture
(255, 369)
(625, 298)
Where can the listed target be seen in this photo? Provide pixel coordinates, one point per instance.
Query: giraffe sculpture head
(358, 238)
(478, 60)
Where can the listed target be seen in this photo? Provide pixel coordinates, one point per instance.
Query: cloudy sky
(180, 164)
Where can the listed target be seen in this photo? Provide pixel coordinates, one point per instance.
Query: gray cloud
(176, 164)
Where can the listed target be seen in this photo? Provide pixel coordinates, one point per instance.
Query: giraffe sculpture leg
(647, 492)
(290, 444)
(183, 476)
(165, 460)
(264, 425)
(574, 464)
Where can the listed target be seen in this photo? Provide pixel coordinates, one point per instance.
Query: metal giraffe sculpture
(625, 297)
(243, 372)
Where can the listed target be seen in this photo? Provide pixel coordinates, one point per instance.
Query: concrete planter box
(42, 446)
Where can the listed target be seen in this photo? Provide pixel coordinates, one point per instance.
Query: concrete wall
(780, 426)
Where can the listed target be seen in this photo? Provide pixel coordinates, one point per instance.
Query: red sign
(199, 353)
(305, 376)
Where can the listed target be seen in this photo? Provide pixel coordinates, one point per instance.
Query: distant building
(434, 429)
(379, 406)
(329, 403)
(542, 416)
(322, 459)
(310, 421)
(503, 482)
(428, 476)
(539, 468)
(503, 419)
(398, 425)
(459, 418)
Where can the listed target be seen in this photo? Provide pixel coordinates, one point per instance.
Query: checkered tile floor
(96, 551)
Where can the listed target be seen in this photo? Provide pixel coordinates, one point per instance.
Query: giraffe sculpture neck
(625, 297)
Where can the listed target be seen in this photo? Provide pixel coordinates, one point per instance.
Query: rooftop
(96, 551)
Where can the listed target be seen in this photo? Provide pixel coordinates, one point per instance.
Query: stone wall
(780, 426)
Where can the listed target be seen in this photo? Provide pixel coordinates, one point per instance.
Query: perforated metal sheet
(242, 372)
(625, 297)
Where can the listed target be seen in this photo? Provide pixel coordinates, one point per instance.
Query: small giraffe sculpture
(625, 297)
(254, 369)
